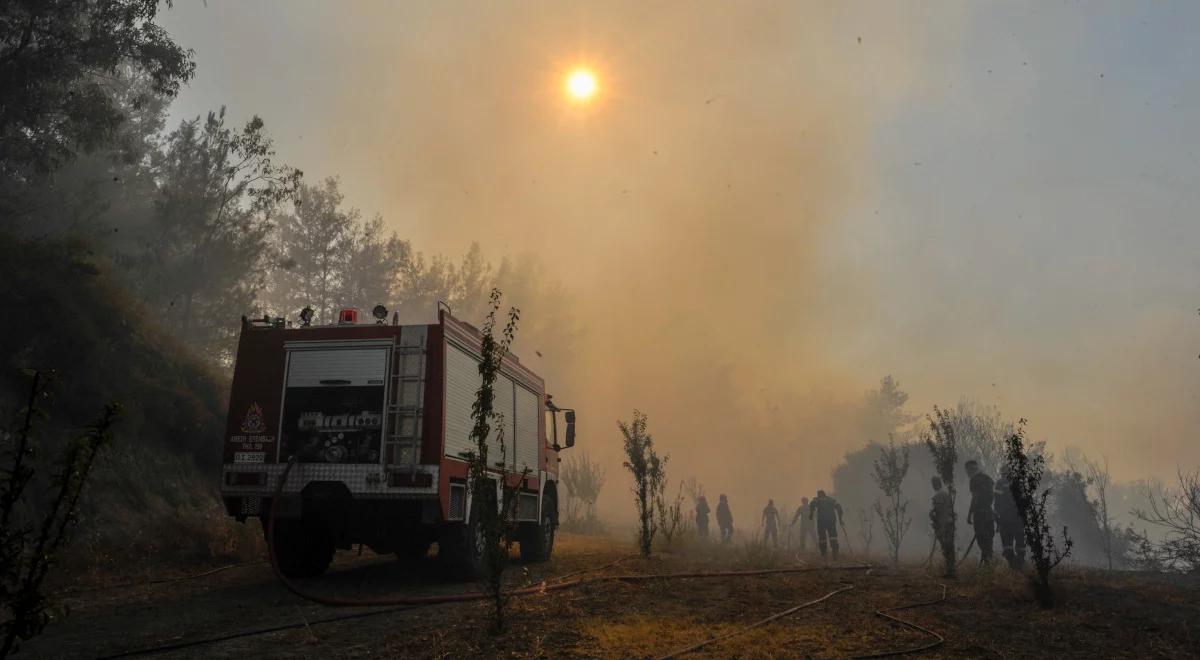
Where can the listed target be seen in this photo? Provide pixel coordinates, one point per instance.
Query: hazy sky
(768, 206)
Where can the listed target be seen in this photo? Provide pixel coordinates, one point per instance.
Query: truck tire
(460, 548)
(301, 549)
(537, 539)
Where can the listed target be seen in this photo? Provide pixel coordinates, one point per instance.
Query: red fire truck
(377, 418)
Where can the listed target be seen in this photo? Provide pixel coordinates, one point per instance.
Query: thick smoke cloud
(744, 238)
(683, 210)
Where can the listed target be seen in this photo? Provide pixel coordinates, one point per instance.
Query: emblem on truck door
(253, 422)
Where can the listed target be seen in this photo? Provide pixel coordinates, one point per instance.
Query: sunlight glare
(581, 84)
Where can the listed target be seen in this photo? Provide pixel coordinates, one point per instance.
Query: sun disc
(581, 84)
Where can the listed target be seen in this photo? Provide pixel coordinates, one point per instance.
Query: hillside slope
(153, 493)
(65, 314)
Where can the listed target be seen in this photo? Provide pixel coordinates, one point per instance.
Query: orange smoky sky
(764, 208)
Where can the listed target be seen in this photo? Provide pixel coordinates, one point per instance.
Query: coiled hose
(937, 641)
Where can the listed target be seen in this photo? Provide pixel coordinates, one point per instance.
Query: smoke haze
(767, 207)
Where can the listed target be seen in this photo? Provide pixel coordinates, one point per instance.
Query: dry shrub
(147, 505)
(754, 554)
(1025, 474)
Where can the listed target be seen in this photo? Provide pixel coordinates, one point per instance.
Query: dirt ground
(985, 613)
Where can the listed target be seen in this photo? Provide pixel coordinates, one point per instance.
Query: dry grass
(988, 612)
(985, 614)
(145, 508)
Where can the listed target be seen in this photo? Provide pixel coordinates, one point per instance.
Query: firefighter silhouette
(980, 514)
(725, 519)
(807, 531)
(1009, 522)
(941, 518)
(702, 517)
(770, 520)
(829, 514)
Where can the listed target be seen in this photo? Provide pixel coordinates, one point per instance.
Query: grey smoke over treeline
(1097, 510)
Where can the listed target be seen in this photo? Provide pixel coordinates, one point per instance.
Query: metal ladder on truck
(406, 407)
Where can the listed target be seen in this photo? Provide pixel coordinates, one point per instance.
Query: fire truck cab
(377, 419)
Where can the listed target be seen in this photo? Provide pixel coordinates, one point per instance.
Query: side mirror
(570, 416)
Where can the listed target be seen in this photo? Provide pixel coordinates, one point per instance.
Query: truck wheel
(461, 546)
(537, 540)
(301, 549)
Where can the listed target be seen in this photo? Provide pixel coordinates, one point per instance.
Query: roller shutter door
(519, 406)
(462, 381)
(528, 411)
(340, 366)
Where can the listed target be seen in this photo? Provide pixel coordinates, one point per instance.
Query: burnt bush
(33, 537)
(1025, 476)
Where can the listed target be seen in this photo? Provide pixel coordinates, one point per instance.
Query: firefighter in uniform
(829, 515)
(1009, 522)
(941, 515)
(807, 532)
(725, 519)
(702, 517)
(770, 520)
(980, 514)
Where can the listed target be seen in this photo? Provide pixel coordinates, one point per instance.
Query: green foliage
(369, 275)
(32, 538)
(315, 242)
(649, 476)
(422, 283)
(1025, 477)
(76, 321)
(890, 470)
(329, 258)
(497, 522)
(56, 58)
(100, 195)
(146, 496)
(185, 221)
(207, 254)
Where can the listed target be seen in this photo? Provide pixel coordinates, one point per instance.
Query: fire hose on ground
(540, 588)
(392, 610)
(756, 624)
(883, 613)
(546, 586)
(393, 605)
(938, 639)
